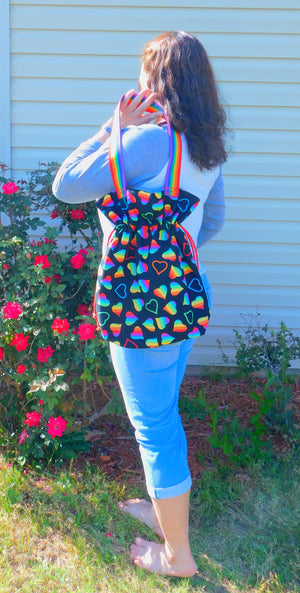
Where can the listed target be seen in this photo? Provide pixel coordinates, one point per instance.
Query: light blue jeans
(149, 379)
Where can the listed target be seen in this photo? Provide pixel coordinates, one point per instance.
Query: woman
(177, 74)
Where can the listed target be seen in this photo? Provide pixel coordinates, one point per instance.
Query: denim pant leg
(149, 379)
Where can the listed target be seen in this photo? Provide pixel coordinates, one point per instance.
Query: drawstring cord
(94, 314)
(192, 245)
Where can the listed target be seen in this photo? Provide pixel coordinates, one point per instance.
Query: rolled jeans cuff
(171, 491)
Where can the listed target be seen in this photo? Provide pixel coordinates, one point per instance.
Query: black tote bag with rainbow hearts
(149, 291)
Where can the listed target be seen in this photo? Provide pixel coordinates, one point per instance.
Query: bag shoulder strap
(116, 163)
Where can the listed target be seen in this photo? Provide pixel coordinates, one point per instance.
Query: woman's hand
(133, 112)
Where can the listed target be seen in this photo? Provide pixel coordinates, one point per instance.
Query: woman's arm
(85, 174)
(213, 213)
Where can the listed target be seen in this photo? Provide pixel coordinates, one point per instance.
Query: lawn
(62, 531)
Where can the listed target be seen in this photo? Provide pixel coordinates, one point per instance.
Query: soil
(113, 445)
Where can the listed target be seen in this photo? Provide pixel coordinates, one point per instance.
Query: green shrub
(48, 338)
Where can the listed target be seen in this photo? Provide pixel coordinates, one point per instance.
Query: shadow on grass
(244, 527)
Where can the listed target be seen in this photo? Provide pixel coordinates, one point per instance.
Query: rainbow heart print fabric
(149, 291)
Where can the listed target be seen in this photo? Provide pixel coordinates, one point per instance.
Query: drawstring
(94, 314)
(192, 244)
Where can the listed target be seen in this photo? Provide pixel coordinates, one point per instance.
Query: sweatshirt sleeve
(85, 174)
(213, 212)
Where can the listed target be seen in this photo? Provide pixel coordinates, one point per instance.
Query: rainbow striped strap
(116, 163)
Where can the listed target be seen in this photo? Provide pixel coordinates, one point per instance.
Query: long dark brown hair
(179, 72)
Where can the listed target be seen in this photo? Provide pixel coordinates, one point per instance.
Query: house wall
(69, 65)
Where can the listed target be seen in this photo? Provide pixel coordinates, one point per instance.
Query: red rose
(1, 353)
(33, 418)
(77, 214)
(44, 354)
(10, 188)
(60, 325)
(77, 261)
(57, 278)
(83, 310)
(86, 331)
(12, 310)
(20, 342)
(82, 251)
(56, 426)
(6, 267)
(50, 241)
(21, 369)
(42, 259)
(55, 213)
(48, 279)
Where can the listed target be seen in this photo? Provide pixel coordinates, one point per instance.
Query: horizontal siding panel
(237, 231)
(233, 316)
(273, 4)
(255, 274)
(126, 67)
(120, 43)
(270, 254)
(247, 117)
(269, 94)
(126, 18)
(271, 141)
(265, 165)
(263, 187)
(253, 296)
(239, 209)
(264, 118)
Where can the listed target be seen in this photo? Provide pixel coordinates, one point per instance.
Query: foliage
(260, 348)
(47, 334)
(241, 444)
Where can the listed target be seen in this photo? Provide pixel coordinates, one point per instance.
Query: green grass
(54, 532)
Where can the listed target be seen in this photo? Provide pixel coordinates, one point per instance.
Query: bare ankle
(181, 555)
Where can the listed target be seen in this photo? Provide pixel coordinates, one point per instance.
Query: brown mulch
(113, 445)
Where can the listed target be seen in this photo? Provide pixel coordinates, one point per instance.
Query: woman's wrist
(104, 133)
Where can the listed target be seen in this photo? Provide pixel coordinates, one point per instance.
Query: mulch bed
(113, 445)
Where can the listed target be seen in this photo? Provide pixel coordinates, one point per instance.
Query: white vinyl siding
(70, 63)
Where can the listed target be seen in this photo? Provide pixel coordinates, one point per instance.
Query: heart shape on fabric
(121, 291)
(132, 268)
(116, 329)
(131, 318)
(148, 216)
(130, 253)
(103, 317)
(183, 204)
(149, 324)
(161, 291)
(195, 285)
(106, 282)
(159, 266)
(117, 309)
(186, 249)
(175, 272)
(152, 306)
(130, 344)
(189, 316)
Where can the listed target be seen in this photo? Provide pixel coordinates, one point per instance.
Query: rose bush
(48, 337)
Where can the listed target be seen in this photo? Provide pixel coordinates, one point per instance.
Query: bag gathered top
(149, 291)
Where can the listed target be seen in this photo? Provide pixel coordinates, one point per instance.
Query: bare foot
(154, 558)
(143, 511)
